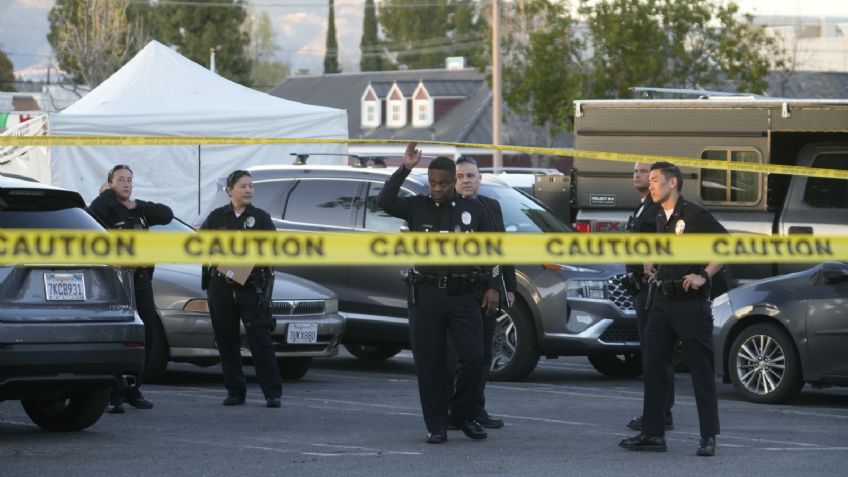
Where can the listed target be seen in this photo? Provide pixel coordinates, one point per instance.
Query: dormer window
(422, 107)
(370, 109)
(396, 108)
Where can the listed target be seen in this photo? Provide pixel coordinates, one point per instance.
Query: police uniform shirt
(116, 215)
(687, 218)
(224, 218)
(643, 221)
(457, 214)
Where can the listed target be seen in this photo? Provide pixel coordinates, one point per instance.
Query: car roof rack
(648, 92)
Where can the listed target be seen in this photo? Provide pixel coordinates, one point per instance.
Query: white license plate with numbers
(301, 333)
(64, 286)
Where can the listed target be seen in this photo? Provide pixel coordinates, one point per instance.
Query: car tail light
(583, 226)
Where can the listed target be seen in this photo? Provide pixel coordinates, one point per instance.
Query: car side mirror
(404, 228)
(833, 275)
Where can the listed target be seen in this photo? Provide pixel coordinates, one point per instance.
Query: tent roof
(160, 91)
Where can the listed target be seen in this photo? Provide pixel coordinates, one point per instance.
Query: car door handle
(800, 230)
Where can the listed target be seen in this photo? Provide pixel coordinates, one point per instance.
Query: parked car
(774, 335)
(68, 333)
(561, 309)
(185, 331)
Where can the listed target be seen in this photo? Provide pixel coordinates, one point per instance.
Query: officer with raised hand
(443, 303)
(116, 208)
(679, 308)
(468, 185)
(644, 220)
(232, 303)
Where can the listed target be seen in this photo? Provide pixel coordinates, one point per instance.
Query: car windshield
(522, 213)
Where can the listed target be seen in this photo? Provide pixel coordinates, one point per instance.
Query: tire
(292, 369)
(373, 353)
(764, 366)
(156, 360)
(628, 365)
(78, 410)
(515, 352)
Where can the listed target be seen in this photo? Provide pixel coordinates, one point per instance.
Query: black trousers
(436, 320)
(146, 309)
(230, 305)
(489, 325)
(691, 321)
(641, 322)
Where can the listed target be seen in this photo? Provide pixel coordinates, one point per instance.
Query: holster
(409, 276)
(264, 283)
(632, 282)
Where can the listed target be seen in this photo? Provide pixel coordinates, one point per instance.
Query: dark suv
(562, 309)
(68, 333)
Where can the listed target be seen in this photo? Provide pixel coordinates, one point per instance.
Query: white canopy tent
(161, 93)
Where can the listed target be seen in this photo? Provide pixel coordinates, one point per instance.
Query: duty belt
(215, 273)
(455, 283)
(673, 290)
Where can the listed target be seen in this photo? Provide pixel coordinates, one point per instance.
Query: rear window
(824, 193)
(44, 209)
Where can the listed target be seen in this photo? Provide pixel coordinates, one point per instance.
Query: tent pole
(198, 179)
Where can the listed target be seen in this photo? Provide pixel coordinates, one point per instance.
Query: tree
(196, 29)
(93, 38)
(419, 37)
(369, 46)
(7, 73)
(331, 53)
(541, 57)
(674, 44)
(267, 72)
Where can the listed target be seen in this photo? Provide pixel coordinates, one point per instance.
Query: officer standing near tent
(442, 301)
(118, 210)
(232, 302)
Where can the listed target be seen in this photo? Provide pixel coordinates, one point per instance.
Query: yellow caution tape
(282, 248)
(603, 156)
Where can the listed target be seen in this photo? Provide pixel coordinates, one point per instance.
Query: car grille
(618, 294)
(315, 307)
(621, 332)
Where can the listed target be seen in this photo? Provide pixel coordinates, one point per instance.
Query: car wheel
(628, 365)
(293, 368)
(77, 410)
(514, 349)
(373, 353)
(156, 363)
(764, 365)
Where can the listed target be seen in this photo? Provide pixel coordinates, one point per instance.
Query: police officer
(443, 305)
(644, 220)
(679, 308)
(468, 185)
(231, 303)
(118, 210)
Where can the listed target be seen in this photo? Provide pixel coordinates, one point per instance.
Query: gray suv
(561, 309)
(68, 333)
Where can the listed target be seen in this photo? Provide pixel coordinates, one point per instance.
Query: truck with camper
(746, 129)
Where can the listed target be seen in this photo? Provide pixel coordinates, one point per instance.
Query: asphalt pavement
(351, 417)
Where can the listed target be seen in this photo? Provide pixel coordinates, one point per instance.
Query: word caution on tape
(277, 248)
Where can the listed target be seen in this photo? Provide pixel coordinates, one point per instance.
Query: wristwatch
(707, 280)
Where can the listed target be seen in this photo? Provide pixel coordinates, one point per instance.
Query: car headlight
(331, 305)
(197, 305)
(595, 289)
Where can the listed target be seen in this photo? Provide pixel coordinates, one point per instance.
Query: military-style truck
(728, 128)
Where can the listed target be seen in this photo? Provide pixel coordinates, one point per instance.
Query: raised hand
(411, 156)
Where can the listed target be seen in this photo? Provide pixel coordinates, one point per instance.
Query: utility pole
(497, 156)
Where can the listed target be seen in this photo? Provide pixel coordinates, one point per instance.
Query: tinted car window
(376, 219)
(522, 213)
(321, 202)
(827, 193)
(73, 218)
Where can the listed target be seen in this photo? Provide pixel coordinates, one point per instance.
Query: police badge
(679, 227)
(466, 218)
(249, 222)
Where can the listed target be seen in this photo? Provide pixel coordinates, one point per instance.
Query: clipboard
(236, 273)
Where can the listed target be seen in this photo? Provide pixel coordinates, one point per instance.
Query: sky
(300, 27)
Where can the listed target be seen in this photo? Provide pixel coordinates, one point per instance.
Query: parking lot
(349, 417)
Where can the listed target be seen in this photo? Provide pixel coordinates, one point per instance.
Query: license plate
(302, 333)
(64, 286)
